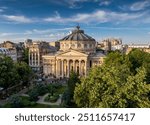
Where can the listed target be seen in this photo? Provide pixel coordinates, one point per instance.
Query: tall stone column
(80, 67)
(56, 68)
(35, 59)
(38, 59)
(85, 68)
(62, 68)
(68, 71)
(32, 59)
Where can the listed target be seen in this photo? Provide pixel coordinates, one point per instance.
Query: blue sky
(51, 20)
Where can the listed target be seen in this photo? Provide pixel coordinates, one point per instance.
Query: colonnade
(64, 67)
(34, 59)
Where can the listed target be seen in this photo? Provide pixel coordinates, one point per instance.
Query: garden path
(41, 100)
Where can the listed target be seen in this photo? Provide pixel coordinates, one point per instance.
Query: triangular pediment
(72, 53)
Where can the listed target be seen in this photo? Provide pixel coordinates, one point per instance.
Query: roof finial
(78, 27)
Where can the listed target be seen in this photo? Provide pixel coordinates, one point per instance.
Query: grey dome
(77, 35)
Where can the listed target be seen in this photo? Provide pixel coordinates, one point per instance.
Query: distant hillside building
(110, 44)
(15, 49)
(143, 47)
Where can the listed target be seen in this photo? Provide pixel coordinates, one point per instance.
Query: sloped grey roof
(77, 35)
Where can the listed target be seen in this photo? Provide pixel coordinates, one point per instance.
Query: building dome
(78, 35)
(78, 40)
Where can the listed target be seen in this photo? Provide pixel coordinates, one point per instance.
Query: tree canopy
(67, 98)
(12, 73)
(115, 84)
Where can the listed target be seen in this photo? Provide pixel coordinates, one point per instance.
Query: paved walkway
(41, 100)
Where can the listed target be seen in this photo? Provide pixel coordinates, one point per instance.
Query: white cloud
(1, 10)
(56, 35)
(17, 19)
(99, 16)
(140, 5)
(46, 31)
(73, 4)
(105, 3)
(37, 32)
(8, 34)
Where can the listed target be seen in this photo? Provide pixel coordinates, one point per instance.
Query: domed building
(77, 53)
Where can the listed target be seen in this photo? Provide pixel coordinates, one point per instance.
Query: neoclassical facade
(77, 53)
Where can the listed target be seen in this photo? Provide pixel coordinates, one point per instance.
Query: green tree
(114, 84)
(140, 58)
(116, 59)
(26, 55)
(68, 94)
(8, 73)
(51, 89)
(33, 94)
(13, 73)
(113, 88)
(24, 72)
(15, 101)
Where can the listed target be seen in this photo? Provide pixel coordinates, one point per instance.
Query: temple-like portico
(77, 53)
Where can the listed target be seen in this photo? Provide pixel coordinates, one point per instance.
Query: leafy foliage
(115, 84)
(139, 58)
(38, 90)
(25, 55)
(15, 101)
(52, 98)
(8, 73)
(24, 71)
(13, 73)
(67, 99)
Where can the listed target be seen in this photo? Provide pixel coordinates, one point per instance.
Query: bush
(41, 89)
(32, 103)
(16, 101)
(51, 98)
(26, 101)
(56, 88)
(33, 95)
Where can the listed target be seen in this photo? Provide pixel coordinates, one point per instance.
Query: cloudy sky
(51, 20)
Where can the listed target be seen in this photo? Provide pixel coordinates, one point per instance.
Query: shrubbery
(17, 101)
(51, 98)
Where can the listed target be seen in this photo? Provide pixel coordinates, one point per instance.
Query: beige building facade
(36, 50)
(15, 50)
(77, 53)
